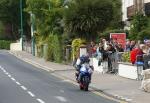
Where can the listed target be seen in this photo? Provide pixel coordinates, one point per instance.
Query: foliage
(10, 14)
(126, 57)
(144, 34)
(48, 15)
(76, 43)
(54, 48)
(116, 23)
(5, 44)
(139, 23)
(88, 17)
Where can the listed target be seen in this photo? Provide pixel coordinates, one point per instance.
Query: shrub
(57, 49)
(76, 43)
(126, 57)
(144, 34)
(54, 48)
(5, 44)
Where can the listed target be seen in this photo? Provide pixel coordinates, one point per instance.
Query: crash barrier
(115, 64)
(134, 71)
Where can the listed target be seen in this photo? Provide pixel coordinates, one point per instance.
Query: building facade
(130, 7)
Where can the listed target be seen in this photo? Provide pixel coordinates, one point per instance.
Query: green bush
(138, 24)
(126, 57)
(54, 48)
(144, 34)
(5, 44)
(57, 50)
(76, 43)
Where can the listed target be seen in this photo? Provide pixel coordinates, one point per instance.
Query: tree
(116, 23)
(48, 15)
(10, 15)
(138, 24)
(88, 17)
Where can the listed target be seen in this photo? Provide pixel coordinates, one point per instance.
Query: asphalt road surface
(21, 82)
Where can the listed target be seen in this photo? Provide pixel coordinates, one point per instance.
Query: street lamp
(21, 24)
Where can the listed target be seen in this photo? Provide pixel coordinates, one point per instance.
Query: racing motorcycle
(84, 77)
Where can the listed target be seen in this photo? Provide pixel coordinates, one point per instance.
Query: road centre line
(4, 71)
(9, 75)
(31, 94)
(17, 83)
(13, 79)
(23, 87)
(40, 101)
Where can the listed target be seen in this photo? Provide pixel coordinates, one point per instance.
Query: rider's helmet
(84, 59)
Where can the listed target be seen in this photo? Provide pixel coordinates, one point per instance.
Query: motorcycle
(84, 78)
(84, 81)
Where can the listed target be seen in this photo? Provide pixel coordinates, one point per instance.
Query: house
(130, 7)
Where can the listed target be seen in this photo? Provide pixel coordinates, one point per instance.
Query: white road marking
(18, 83)
(2, 69)
(9, 75)
(31, 94)
(6, 73)
(13, 79)
(61, 99)
(23, 87)
(40, 101)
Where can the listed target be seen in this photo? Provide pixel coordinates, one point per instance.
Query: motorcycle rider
(83, 65)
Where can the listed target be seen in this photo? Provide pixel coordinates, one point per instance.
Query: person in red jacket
(135, 54)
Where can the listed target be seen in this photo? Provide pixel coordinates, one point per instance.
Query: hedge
(4, 44)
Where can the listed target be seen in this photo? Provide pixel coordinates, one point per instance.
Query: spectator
(111, 57)
(104, 43)
(120, 48)
(127, 45)
(91, 48)
(132, 45)
(137, 51)
(100, 53)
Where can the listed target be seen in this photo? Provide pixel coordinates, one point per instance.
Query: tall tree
(48, 14)
(88, 17)
(116, 23)
(138, 24)
(10, 14)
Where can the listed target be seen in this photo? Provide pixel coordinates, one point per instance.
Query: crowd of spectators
(108, 50)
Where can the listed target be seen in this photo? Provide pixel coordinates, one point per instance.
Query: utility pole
(21, 24)
(32, 33)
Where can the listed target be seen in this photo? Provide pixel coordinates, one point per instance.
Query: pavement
(111, 85)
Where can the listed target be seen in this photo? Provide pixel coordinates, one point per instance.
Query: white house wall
(146, 1)
(125, 4)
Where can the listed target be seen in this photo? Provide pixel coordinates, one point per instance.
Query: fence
(27, 47)
(41, 51)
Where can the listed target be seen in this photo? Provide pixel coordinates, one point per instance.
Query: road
(21, 82)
